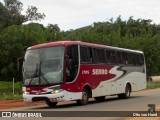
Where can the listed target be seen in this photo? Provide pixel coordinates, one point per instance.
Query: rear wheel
(127, 93)
(51, 104)
(102, 98)
(85, 97)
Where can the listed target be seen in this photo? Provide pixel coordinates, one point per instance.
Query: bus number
(85, 71)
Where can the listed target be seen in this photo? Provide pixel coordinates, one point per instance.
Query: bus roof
(66, 43)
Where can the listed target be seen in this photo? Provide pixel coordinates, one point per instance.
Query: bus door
(72, 63)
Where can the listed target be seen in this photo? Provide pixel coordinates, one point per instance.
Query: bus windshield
(43, 66)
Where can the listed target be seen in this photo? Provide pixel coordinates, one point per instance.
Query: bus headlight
(56, 91)
(25, 92)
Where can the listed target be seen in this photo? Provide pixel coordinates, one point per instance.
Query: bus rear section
(66, 71)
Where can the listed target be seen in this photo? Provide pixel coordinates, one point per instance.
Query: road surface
(138, 102)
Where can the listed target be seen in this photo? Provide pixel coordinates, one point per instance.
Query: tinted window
(86, 54)
(141, 59)
(71, 63)
(130, 58)
(99, 55)
(111, 57)
(121, 57)
(108, 56)
(95, 55)
(135, 59)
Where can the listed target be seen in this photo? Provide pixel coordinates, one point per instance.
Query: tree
(11, 13)
(53, 27)
(13, 43)
(11, 49)
(53, 32)
(5, 17)
(14, 6)
(32, 14)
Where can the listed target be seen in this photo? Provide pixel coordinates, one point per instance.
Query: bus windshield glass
(43, 66)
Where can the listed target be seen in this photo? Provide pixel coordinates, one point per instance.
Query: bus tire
(127, 93)
(51, 104)
(102, 98)
(85, 97)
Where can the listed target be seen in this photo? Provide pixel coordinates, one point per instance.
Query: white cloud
(71, 14)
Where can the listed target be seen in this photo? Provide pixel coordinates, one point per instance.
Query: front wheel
(51, 104)
(127, 93)
(85, 97)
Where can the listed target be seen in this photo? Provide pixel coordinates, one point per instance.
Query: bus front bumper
(58, 97)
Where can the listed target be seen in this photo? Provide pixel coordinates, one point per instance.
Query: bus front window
(52, 64)
(43, 66)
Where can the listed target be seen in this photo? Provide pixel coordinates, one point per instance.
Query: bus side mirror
(19, 62)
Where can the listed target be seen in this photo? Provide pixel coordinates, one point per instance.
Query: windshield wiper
(44, 78)
(35, 74)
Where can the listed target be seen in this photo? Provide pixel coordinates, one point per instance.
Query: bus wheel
(85, 97)
(127, 93)
(51, 104)
(102, 98)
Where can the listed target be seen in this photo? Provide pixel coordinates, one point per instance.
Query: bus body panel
(102, 83)
(103, 79)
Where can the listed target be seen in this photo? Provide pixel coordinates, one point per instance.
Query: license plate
(53, 99)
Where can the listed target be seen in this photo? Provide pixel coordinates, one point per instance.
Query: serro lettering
(99, 72)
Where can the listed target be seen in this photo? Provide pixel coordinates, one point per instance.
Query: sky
(72, 14)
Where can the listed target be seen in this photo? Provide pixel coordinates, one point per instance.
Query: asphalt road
(138, 102)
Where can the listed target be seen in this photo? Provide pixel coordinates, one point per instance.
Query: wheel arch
(128, 83)
(88, 89)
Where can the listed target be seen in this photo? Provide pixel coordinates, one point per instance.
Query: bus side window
(95, 55)
(98, 56)
(125, 58)
(129, 59)
(132, 58)
(86, 54)
(108, 56)
(120, 58)
(101, 56)
(113, 57)
(141, 59)
(136, 59)
(71, 63)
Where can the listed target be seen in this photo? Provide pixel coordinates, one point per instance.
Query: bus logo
(99, 72)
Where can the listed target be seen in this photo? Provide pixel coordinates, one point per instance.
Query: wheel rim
(84, 97)
(128, 92)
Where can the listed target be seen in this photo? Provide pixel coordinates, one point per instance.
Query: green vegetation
(11, 97)
(152, 85)
(6, 91)
(140, 34)
(15, 37)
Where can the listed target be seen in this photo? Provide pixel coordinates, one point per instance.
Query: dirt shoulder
(7, 104)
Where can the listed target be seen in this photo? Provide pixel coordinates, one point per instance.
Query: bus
(76, 71)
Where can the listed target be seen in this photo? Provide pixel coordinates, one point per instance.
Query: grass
(152, 85)
(6, 91)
